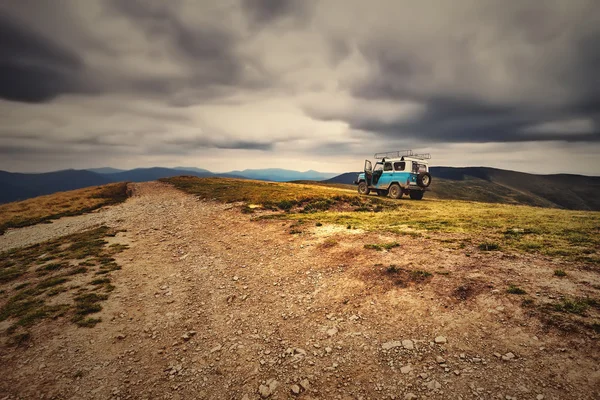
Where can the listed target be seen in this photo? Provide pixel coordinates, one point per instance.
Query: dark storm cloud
(209, 51)
(559, 75)
(32, 67)
(185, 145)
(461, 120)
(264, 11)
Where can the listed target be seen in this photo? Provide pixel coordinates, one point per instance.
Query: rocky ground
(211, 304)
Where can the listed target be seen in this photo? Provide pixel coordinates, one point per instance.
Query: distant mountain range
(18, 186)
(575, 192)
(492, 185)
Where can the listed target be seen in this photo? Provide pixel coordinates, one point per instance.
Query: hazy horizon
(302, 85)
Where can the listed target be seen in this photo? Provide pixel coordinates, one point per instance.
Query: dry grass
(56, 205)
(574, 235)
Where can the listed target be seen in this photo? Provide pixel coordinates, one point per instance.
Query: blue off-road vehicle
(396, 173)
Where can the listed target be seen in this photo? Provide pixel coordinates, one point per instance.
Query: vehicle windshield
(378, 167)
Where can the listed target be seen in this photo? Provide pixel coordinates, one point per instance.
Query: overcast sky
(323, 84)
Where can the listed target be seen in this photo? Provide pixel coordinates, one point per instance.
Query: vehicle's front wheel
(416, 194)
(363, 188)
(395, 191)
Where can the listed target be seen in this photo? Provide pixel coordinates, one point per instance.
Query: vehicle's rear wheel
(395, 191)
(381, 192)
(416, 194)
(424, 179)
(363, 188)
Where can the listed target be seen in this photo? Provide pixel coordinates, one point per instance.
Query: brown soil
(210, 304)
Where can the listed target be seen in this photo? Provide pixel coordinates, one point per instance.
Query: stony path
(211, 305)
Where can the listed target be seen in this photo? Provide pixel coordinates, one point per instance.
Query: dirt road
(212, 305)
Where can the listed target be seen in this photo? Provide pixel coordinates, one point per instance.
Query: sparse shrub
(246, 209)
(392, 269)
(488, 246)
(286, 205)
(349, 227)
(559, 272)
(512, 289)
(529, 302)
(382, 246)
(20, 339)
(318, 224)
(419, 275)
(572, 306)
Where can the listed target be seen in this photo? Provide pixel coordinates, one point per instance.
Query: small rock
(332, 331)
(440, 339)
(498, 355)
(120, 336)
(295, 389)
(406, 369)
(391, 345)
(216, 348)
(264, 391)
(235, 278)
(539, 397)
(410, 396)
(185, 337)
(432, 385)
(305, 384)
(508, 356)
(328, 350)
(424, 375)
(408, 344)
(440, 360)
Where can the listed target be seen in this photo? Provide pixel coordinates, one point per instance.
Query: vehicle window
(415, 167)
(399, 166)
(387, 166)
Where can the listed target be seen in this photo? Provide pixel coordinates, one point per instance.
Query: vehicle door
(387, 176)
(368, 172)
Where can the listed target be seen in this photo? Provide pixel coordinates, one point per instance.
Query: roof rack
(402, 153)
(422, 156)
(393, 154)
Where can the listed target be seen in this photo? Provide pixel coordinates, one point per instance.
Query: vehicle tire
(416, 194)
(382, 192)
(395, 191)
(424, 179)
(363, 188)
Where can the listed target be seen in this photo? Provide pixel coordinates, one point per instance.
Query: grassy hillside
(573, 235)
(45, 208)
(575, 192)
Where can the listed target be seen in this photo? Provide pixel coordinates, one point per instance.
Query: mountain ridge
(570, 191)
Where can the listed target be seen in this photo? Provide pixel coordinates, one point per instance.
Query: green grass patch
(559, 273)
(382, 246)
(488, 246)
(512, 289)
(26, 303)
(572, 306)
